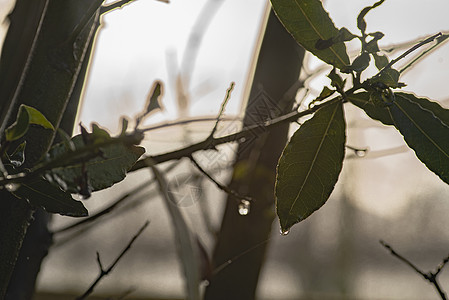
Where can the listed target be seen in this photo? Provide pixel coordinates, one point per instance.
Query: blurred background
(197, 48)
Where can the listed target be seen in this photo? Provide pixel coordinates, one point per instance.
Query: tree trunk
(45, 82)
(277, 71)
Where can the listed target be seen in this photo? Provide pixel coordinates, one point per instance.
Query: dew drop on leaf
(244, 207)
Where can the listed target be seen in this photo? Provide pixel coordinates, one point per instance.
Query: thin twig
(112, 206)
(222, 187)
(415, 47)
(188, 121)
(429, 276)
(104, 211)
(439, 42)
(222, 108)
(105, 272)
(238, 256)
(208, 143)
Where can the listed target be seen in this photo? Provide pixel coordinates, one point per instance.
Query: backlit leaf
(102, 169)
(361, 24)
(373, 106)
(40, 192)
(25, 116)
(310, 165)
(424, 125)
(310, 24)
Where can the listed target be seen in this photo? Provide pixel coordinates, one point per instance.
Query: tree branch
(429, 276)
(211, 143)
(104, 272)
(222, 187)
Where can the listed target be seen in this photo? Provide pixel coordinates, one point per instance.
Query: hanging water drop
(12, 187)
(284, 232)
(360, 152)
(244, 207)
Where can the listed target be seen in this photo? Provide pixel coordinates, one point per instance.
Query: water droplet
(244, 207)
(12, 187)
(285, 232)
(242, 140)
(360, 152)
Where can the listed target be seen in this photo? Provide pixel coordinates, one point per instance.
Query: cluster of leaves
(312, 160)
(85, 163)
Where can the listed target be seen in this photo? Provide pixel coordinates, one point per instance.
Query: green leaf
(40, 192)
(373, 106)
(26, 116)
(380, 60)
(326, 92)
(361, 24)
(153, 101)
(310, 24)
(423, 125)
(37, 118)
(107, 167)
(361, 62)
(19, 128)
(310, 165)
(344, 35)
(336, 80)
(389, 77)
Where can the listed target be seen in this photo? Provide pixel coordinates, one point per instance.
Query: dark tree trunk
(277, 71)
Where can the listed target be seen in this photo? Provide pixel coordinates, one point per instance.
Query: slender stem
(222, 108)
(432, 277)
(104, 272)
(219, 185)
(211, 143)
(415, 47)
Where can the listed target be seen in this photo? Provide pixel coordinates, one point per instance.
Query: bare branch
(429, 276)
(222, 108)
(188, 121)
(440, 41)
(105, 272)
(211, 143)
(415, 47)
(222, 187)
(112, 206)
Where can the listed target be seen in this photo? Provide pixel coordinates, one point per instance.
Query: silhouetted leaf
(361, 24)
(389, 77)
(373, 105)
(425, 129)
(380, 60)
(326, 92)
(336, 80)
(103, 169)
(39, 192)
(310, 165)
(309, 24)
(153, 101)
(361, 62)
